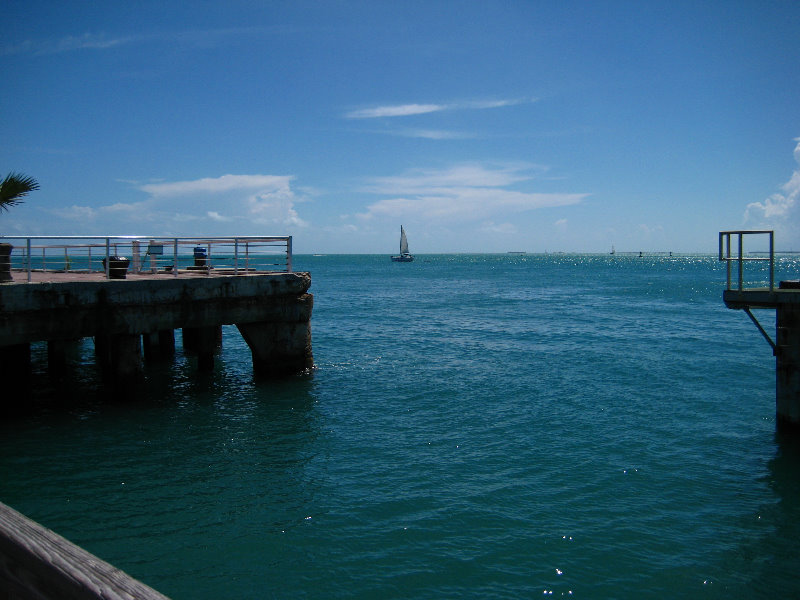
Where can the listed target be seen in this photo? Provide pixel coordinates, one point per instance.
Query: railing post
(289, 254)
(728, 260)
(175, 258)
(108, 257)
(771, 261)
(741, 261)
(135, 260)
(235, 256)
(28, 250)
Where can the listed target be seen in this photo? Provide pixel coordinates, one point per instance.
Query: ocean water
(478, 426)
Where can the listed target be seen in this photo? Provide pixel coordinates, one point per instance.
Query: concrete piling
(59, 354)
(787, 366)
(785, 300)
(278, 348)
(202, 342)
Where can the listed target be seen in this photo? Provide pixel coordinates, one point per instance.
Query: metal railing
(172, 256)
(740, 258)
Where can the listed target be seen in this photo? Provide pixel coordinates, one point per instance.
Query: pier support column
(159, 345)
(120, 359)
(59, 353)
(15, 367)
(279, 349)
(787, 366)
(166, 342)
(202, 342)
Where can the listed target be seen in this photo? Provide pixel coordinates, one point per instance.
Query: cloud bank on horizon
(231, 203)
(478, 193)
(472, 192)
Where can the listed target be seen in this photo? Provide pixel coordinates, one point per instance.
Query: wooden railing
(36, 563)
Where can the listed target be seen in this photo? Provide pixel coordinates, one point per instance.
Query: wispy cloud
(464, 192)
(400, 110)
(649, 230)
(780, 211)
(501, 228)
(216, 185)
(432, 134)
(473, 175)
(406, 110)
(103, 41)
(87, 41)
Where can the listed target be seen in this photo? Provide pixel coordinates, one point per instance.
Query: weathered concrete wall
(787, 366)
(45, 311)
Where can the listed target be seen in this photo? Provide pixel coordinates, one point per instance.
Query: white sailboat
(404, 255)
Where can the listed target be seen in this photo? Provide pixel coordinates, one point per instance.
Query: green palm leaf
(14, 188)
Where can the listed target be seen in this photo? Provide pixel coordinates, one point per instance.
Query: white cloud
(481, 104)
(464, 192)
(87, 41)
(202, 38)
(216, 185)
(432, 134)
(502, 228)
(400, 110)
(648, 230)
(780, 211)
(77, 213)
(561, 223)
(469, 175)
(230, 204)
(122, 207)
(774, 207)
(405, 110)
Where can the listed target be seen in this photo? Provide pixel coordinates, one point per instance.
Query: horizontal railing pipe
(200, 255)
(726, 256)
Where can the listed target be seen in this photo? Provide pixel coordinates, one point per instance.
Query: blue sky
(479, 126)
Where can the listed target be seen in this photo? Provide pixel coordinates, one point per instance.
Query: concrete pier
(785, 300)
(136, 317)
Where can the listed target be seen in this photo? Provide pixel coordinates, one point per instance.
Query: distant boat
(613, 251)
(404, 255)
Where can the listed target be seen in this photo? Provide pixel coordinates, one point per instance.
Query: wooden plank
(38, 564)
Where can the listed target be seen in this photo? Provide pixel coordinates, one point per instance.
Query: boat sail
(404, 254)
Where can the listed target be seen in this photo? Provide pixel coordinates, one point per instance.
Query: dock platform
(137, 315)
(785, 301)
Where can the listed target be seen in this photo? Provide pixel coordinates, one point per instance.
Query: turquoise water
(481, 426)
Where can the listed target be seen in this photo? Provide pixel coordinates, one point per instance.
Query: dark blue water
(487, 426)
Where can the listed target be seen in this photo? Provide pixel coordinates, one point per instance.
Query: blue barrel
(200, 256)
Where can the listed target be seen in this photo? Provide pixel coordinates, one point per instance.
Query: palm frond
(14, 188)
